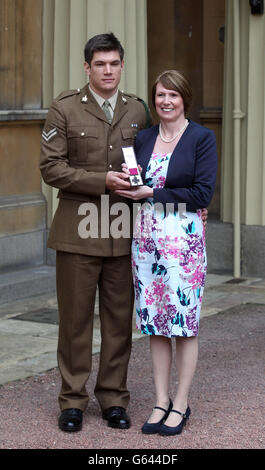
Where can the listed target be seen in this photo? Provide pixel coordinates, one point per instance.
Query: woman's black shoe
(173, 430)
(153, 428)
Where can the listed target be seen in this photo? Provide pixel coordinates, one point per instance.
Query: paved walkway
(227, 397)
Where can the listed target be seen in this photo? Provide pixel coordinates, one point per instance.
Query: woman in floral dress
(179, 162)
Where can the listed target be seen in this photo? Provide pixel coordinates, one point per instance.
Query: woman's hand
(204, 216)
(140, 192)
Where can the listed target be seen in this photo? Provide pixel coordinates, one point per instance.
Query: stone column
(252, 138)
(22, 206)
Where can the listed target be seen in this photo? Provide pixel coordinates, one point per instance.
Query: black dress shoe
(71, 420)
(173, 430)
(116, 417)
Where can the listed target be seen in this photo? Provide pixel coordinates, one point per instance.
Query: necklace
(179, 132)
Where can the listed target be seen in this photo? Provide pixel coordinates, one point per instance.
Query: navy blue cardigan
(192, 167)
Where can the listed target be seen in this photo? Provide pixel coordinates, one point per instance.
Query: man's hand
(204, 216)
(116, 180)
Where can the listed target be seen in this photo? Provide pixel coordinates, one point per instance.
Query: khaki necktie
(106, 110)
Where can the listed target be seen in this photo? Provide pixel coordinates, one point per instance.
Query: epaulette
(68, 93)
(146, 107)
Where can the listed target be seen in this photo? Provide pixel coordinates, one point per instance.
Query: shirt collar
(112, 100)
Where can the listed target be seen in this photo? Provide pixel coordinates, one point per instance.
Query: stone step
(24, 283)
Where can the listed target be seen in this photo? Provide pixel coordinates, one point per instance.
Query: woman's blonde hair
(174, 80)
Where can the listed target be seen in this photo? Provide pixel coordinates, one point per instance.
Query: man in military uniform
(81, 155)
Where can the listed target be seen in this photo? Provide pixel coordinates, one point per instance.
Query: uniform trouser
(77, 279)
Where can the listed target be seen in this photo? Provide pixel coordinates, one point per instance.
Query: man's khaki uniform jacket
(78, 148)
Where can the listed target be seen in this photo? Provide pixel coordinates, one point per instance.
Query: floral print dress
(169, 263)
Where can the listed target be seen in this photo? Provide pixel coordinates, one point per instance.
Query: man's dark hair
(102, 42)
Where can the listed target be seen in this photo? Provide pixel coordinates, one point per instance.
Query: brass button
(110, 147)
(110, 167)
(82, 134)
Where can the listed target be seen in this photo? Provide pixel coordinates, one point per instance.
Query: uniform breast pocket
(81, 142)
(128, 136)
